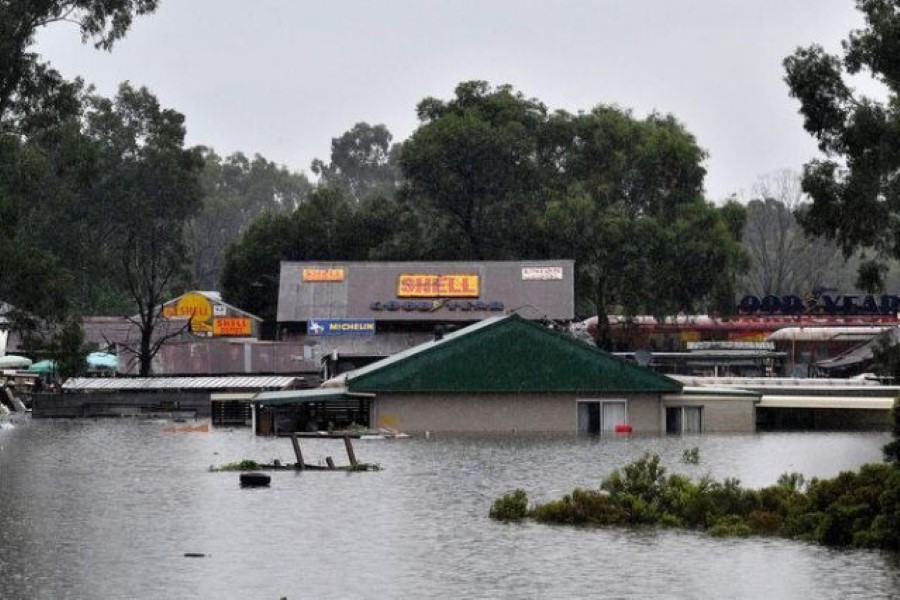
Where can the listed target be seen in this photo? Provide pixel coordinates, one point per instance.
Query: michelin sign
(360, 327)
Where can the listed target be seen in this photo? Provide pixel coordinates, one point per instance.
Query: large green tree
(854, 188)
(473, 164)
(493, 175)
(46, 164)
(627, 204)
(151, 184)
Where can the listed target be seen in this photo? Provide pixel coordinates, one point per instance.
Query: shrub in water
(244, 465)
(581, 507)
(511, 507)
(691, 456)
(859, 509)
(730, 526)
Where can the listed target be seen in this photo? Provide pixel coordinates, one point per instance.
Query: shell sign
(417, 285)
(195, 306)
(322, 275)
(232, 326)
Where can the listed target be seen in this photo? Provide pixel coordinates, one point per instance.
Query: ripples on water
(107, 509)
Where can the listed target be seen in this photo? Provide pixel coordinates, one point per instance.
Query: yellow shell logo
(196, 306)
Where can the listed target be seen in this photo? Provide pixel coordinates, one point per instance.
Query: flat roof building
(381, 308)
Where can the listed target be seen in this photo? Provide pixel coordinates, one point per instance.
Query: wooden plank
(350, 454)
(296, 443)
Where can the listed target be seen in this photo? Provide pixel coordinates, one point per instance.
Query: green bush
(511, 507)
(860, 509)
(730, 526)
(765, 522)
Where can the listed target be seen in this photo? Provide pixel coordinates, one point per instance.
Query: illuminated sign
(322, 275)
(195, 306)
(434, 305)
(542, 273)
(340, 327)
(232, 326)
(437, 286)
(847, 304)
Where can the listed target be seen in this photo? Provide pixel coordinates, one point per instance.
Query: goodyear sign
(437, 286)
(359, 327)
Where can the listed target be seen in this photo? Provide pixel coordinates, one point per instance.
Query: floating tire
(255, 480)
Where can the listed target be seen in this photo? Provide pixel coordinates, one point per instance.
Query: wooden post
(297, 453)
(329, 462)
(350, 453)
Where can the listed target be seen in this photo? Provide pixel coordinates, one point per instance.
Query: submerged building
(507, 374)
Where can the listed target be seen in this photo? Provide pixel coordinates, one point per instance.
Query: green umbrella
(43, 367)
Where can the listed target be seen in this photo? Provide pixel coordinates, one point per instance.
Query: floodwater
(108, 509)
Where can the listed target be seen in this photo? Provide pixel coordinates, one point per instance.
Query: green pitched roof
(506, 354)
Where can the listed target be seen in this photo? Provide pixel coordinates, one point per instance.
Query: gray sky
(283, 77)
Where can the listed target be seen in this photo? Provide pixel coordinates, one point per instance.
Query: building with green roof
(507, 374)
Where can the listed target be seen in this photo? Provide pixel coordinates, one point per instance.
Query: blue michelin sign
(340, 327)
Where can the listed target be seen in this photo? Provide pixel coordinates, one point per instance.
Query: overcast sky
(283, 77)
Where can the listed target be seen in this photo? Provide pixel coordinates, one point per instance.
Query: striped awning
(115, 384)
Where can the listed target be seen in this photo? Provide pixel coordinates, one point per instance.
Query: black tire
(255, 480)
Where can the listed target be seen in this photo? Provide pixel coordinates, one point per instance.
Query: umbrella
(102, 360)
(14, 362)
(44, 367)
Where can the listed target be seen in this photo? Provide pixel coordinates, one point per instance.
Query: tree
(23, 78)
(235, 191)
(322, 228)
(854, 189)
(627, 205)
(474, 160)
(44, 160)
(783, 259)
(363, 163)
(152, 184)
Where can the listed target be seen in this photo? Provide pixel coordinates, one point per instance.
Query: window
(601, 416)
(684, 419)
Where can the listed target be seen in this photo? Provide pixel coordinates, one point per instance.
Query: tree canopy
(494, 175)
(854, 188)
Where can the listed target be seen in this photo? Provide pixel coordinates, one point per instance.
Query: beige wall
(549, 413)
(721, 414)
(497, 413)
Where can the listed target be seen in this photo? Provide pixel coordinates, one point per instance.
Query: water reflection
(108, 509)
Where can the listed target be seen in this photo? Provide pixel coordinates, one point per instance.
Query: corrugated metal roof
(506, 354)
(179, 383)
(300, 396)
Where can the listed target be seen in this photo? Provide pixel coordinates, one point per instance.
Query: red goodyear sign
(322, 275)
(437, 286)
(231, 326)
